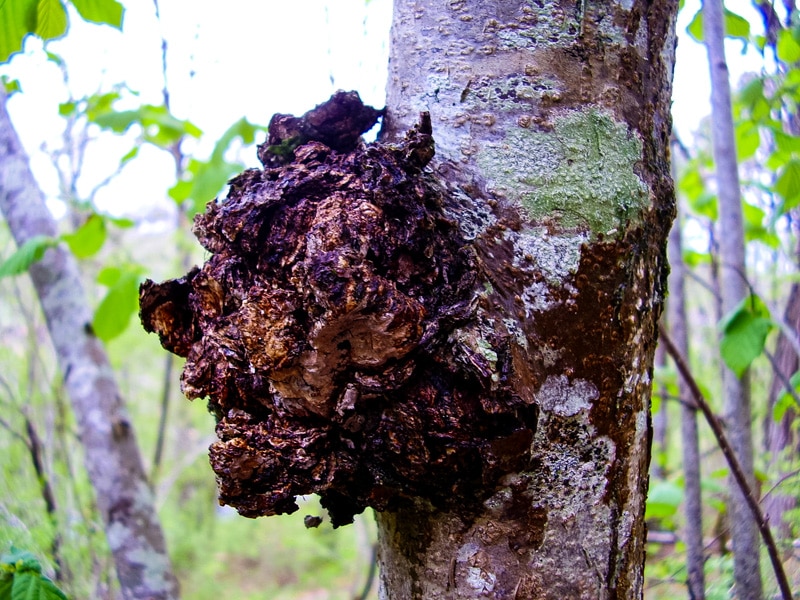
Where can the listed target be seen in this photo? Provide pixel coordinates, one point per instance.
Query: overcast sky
(248, 58)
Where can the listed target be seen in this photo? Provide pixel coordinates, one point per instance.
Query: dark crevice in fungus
(333, 329)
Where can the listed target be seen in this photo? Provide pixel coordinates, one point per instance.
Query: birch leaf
(744, 332)
(30, 252)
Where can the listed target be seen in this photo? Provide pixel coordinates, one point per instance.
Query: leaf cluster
(47, 19)
(21, 578)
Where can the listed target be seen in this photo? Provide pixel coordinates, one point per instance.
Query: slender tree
(734, 288)
(690, 445)
(122, 493)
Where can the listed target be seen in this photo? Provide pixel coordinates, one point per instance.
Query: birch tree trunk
(560, 111)
(733, 287)
(112, 459)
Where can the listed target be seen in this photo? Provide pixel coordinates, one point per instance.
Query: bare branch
(733, 463)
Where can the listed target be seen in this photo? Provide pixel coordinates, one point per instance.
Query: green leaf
(202, 181)
(11, 86)
(15, 555)
(159, 126)
(663, 500)
(54, 58)
(695, 28)
(105, 12)
(116, 121)
(787, 48)
(129, 155)
(87, 240)
(786, 142)
(108, 276)
(162, 128)
(30, 252)
(692, 258)
(692, 184)
(51, 19)
(735, 26)
(242, 129)
(752, 93)
(121, 222)
(744, 333)
(754, 228)
(705, 205)
(33, 586)
(17, 19)
(65, 109)
(6, 582)
(114, 312)
(747, 140)
(98, 104)
(788, 184)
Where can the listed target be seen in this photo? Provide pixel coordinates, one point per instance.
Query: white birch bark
(561, 110)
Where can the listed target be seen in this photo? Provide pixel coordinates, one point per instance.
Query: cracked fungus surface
(327, 329)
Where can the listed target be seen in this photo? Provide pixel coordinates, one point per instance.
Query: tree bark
(780, 438)
(560, 109)
(690, 444)
(734, 287)
(466, 344)
(112, 459)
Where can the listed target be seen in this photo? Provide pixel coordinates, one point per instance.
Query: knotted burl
(329, 328)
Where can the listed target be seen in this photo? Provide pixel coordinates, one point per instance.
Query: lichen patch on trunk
(577, 169)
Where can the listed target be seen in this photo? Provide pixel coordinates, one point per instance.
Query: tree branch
(733, 463)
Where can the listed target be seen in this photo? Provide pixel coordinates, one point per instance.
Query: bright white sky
(248, 58)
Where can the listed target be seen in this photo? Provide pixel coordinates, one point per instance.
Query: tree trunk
(466, 344)
(562, 110)
(734, 287)
(780, 438)
(123, 496)
(690, 444)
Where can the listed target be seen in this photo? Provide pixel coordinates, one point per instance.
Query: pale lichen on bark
(579, 171)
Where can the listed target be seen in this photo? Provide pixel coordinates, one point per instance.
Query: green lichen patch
(580, 173)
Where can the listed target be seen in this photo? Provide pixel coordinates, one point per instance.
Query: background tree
(734, 289)
(112, 455)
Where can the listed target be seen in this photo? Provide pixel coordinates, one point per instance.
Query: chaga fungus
(327, 328)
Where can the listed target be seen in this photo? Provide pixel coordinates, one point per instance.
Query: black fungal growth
(333, 329)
